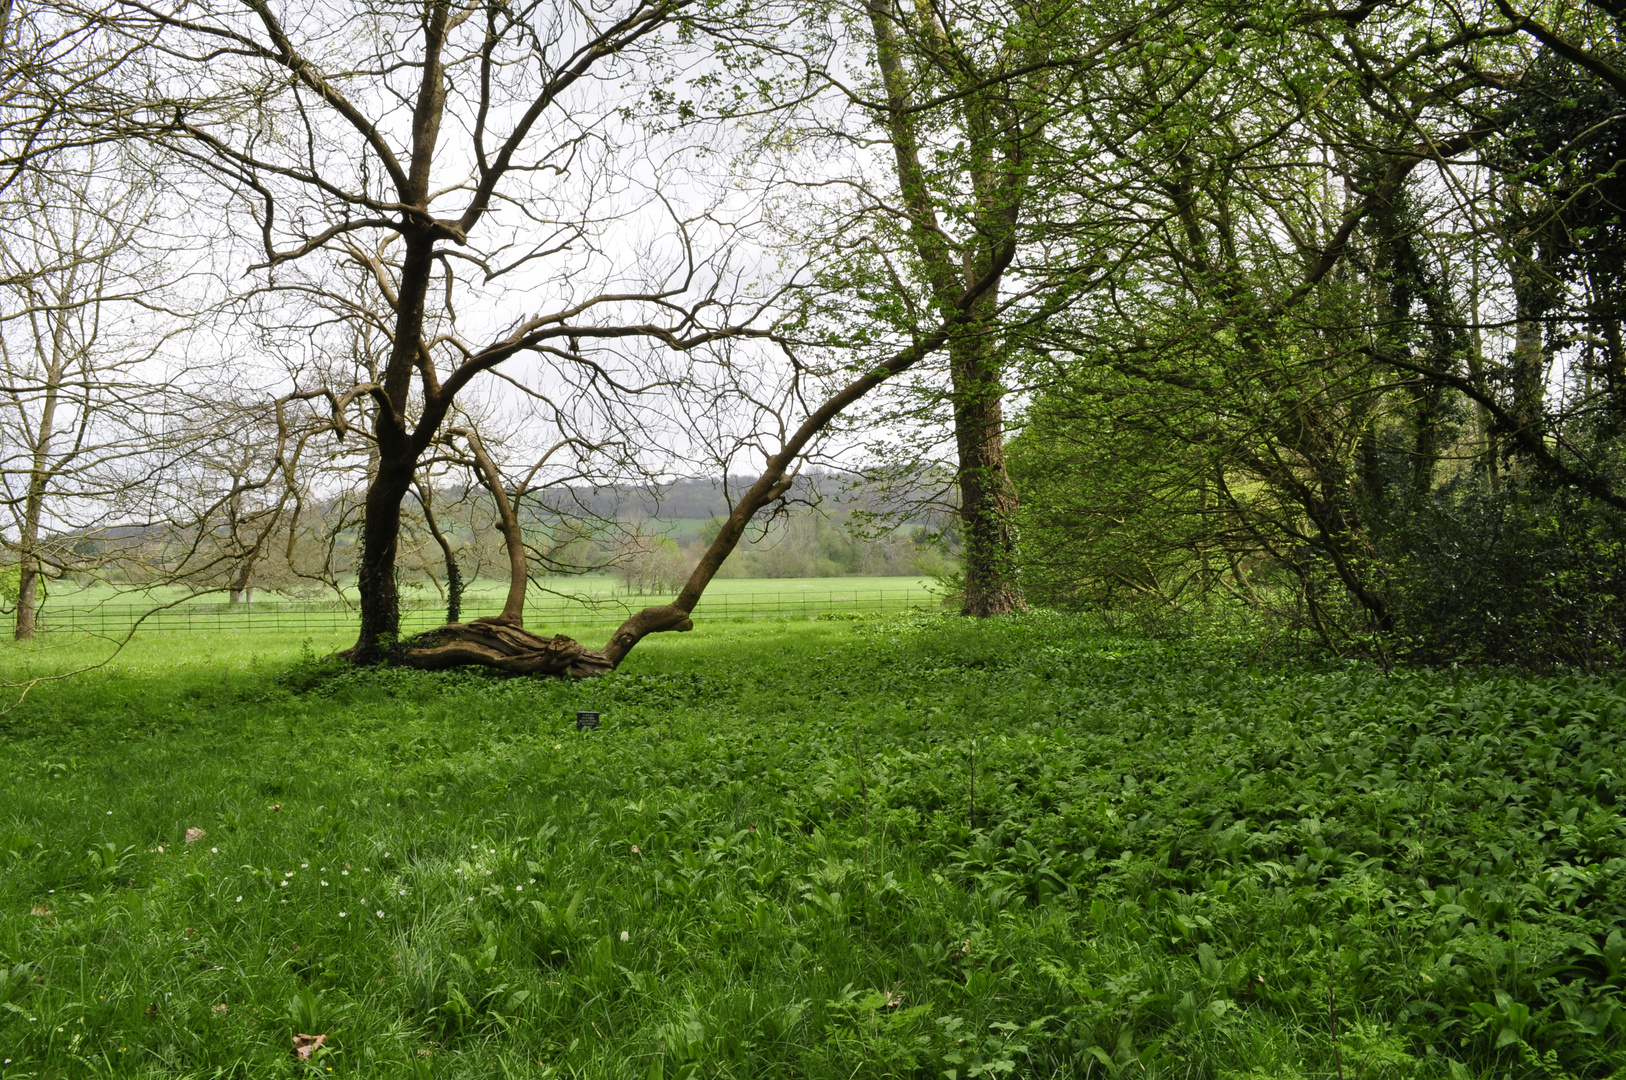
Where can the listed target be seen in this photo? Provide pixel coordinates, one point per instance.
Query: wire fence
(335, 616)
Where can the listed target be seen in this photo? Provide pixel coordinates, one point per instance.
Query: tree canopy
(1297, 314)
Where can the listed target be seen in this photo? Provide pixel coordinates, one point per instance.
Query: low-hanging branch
(501, 642)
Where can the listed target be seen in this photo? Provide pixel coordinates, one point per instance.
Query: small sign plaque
(586, 721)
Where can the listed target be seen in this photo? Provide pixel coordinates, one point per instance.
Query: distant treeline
(830, 525)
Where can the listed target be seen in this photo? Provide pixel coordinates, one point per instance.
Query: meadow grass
(910, 846)
(597, 600)
(491, 591)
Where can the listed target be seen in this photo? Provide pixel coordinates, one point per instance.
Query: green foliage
(1115, 513)
(814, 542)
(1526, 574)
(1118, 516)
(766, 862)
(1408, 446)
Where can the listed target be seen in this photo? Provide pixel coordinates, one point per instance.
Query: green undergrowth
(910, 847)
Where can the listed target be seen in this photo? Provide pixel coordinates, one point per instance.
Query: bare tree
(801, 422)
(417, 179)
(250, 481)
(50, 63)
(81, 386)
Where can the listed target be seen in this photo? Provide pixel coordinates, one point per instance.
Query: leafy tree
(1294, 390)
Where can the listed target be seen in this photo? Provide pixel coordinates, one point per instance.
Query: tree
(961, 61)
(451, 169)
(959, 108)
(414, 192)
(1344, 288)
(1249, 178)
(649, 563)
(497, 645)
(79, 400)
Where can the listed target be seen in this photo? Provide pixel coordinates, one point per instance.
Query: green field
(586, 585)
(906, 846)
(599, 600)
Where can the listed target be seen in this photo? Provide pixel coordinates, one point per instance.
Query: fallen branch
(496, 644)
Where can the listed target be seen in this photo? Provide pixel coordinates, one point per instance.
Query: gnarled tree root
(495, 644)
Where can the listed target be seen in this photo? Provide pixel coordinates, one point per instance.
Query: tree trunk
(454, 588)
(1528, 359)
(242, 589)
(987, 496)
(375, 577)
(398, 450)
(1614, 370)
(454, 574)
(1428, 440)
(1484, 422)
(34, 504)
(27, 601)
(493, 643)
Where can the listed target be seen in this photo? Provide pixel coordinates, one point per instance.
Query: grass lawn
(492, 592)
(907, 846)
(597, 599)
